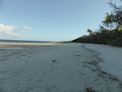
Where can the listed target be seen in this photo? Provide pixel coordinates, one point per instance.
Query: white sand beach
(112, 57)
(60, 68)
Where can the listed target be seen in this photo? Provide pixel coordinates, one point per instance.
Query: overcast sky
(49, 20)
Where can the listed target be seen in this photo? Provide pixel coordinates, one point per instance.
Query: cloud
(27, 28)
(8, 30)
(12, 31)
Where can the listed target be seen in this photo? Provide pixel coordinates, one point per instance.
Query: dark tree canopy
(114, 19)
(111, 30)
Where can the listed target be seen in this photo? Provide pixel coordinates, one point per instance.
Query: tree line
(110, 31)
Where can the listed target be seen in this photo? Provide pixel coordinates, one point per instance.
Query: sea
(21, 42)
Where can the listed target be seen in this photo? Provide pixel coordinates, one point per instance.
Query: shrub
(116, 42)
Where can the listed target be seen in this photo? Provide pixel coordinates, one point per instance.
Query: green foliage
(108, 21)
(120, 28)
(116, 42)
(110, 33)
(89, 31)
(114, 19)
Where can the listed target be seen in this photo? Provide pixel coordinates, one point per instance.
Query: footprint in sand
(90, 89)
(78, 55)
(54, 61)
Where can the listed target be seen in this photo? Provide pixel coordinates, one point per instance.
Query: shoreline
(12, 45)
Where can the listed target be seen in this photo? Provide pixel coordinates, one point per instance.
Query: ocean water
(19, 42)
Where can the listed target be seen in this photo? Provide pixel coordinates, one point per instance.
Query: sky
(50, 20)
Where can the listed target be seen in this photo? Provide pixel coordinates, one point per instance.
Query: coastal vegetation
(110, 31)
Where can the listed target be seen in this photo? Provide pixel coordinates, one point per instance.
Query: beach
(58, 67)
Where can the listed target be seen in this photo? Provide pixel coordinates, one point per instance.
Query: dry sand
(57, 68)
